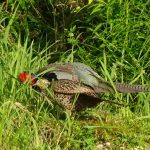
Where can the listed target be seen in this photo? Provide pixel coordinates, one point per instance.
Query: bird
(75, 85)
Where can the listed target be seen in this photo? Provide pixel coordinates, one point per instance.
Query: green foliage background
(113, 37)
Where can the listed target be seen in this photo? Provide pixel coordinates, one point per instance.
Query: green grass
(112, 37)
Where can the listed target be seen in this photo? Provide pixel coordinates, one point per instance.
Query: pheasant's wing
(89, 77)
(72, 87)
(58, 71)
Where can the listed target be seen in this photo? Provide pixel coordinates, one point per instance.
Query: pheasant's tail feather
(120, 87)
(126, 88)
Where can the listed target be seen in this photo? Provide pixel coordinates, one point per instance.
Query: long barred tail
(127, 88)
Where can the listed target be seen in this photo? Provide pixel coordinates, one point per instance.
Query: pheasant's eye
(37, 88)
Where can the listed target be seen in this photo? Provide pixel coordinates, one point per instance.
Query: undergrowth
(113, 37)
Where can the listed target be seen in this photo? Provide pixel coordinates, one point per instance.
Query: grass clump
(112, 37)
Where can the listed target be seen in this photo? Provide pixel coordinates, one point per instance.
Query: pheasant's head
(26, 77)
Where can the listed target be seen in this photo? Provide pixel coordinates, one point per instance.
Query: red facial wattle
(26, 77)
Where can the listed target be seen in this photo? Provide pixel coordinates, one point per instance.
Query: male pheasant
(70, 79)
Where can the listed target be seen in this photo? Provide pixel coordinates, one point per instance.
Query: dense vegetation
(113, 37)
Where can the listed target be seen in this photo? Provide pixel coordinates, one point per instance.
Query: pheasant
(76, 80)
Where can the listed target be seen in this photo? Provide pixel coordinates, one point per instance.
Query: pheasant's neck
(33, 79)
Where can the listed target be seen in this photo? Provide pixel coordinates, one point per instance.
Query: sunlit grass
(117, 47)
